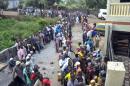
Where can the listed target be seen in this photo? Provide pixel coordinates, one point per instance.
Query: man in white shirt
(89, 34)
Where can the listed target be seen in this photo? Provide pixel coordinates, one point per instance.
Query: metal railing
(119, 9)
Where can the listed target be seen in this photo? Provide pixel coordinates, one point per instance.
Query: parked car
(102, 14)
(100, 27)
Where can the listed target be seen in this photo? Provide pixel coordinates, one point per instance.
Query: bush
(21, 27)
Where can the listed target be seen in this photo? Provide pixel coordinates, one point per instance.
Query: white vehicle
(102, 14)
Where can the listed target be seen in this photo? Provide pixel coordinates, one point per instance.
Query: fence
(119, 9)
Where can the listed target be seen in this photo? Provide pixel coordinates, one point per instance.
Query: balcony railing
(119, 9)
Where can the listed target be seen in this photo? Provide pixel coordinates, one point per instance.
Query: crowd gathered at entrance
(87, 67)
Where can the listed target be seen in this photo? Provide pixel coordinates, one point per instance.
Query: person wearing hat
(17, 71)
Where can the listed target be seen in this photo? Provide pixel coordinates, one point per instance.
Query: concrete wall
(107, 28)
(8, 53)
(125, 28)
(119, 18)
(115, 74)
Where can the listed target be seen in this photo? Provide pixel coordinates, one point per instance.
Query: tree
(33, 3)
(96, 4)
(38, 3)
(88, 4)
(3, 4)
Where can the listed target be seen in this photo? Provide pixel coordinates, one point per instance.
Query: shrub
(21, 27)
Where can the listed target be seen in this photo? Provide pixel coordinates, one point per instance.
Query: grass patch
(22, 27)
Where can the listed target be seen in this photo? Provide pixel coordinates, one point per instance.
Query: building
(13, 4)
(117, 32)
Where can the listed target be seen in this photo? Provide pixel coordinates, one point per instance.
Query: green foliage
(23, 27)
(48, 21)
(3, 4)
(38, 3)
(85, 4)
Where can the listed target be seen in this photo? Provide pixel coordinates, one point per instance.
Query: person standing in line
(17, 72)
(27, 74)
(21, 53)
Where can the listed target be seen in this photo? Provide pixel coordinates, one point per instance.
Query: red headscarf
(46, 82)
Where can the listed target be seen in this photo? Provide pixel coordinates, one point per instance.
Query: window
(104, 13)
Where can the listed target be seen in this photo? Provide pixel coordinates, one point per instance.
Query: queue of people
(88, 67)
(23, 68)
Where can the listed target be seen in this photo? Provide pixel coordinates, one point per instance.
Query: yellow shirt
(68, 76)
(81, 55)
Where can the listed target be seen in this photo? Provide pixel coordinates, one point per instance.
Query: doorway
(121, 43)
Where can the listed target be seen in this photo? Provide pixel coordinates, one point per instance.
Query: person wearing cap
(11, 64)
(77, 64)
(28, 59)
(27, 73)
(17, 71)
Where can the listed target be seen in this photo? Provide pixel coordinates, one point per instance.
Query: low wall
(8, 53)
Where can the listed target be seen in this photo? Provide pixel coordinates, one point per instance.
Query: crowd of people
(23, 68)
(88, 66)
(25, 72)
(30, 11)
